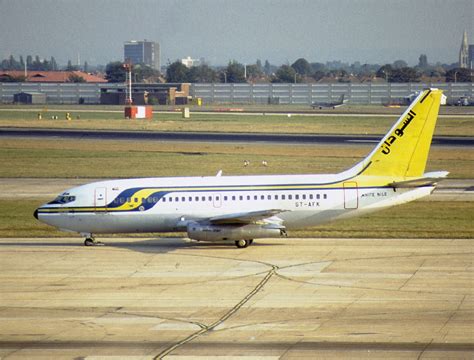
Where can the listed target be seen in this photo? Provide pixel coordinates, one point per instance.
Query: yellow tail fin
(403, 152)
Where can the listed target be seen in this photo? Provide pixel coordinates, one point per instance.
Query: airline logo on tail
(398, 132)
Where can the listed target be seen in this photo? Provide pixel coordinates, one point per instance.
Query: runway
(278, 299)
(217, 137)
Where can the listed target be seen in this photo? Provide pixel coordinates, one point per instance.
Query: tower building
(142, 52)
(464, 53)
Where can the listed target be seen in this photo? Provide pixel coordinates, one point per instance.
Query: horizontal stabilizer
(428, 179)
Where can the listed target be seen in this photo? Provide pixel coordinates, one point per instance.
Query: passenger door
(100, 199)
(351, 195)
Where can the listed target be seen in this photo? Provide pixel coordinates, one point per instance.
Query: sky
(368, 31)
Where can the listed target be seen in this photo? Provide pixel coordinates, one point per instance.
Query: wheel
(250, 241)
(242, 243)
(92, 242)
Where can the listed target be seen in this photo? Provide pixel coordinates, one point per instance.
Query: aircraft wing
(428, 179)
(247, 217)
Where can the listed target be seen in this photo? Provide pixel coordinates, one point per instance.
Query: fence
(304, 94)
(309, 93)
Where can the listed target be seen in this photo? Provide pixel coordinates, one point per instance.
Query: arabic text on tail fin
(403, 152)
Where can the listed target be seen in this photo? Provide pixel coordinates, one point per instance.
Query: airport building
(142, 52)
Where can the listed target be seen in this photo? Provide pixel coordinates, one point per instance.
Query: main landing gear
(91, 241)
(241, 244)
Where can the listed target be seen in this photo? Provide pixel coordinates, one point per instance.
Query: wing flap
(246, 218)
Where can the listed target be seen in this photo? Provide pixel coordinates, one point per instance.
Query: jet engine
(209, 232)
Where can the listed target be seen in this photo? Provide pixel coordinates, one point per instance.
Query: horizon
(365, 31)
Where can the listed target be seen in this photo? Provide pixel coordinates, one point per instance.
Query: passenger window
(276, 197)
(233, 198)
(210, 198)
(196, 198)
(129, 199)
(217, 198)
(283, 197)
(170, 199)
(311, 196)
(262, 197)
(241, 197)
(297, 197)
(303, 196)
(290, 197)
(325, 196)
(203, 198)
(225, 198)
(269, 197)
(183, 199)
(318, 196)
(190, 198)
(248, 197)
(255, 197)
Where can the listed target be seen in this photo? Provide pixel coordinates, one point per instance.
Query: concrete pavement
(277, 299)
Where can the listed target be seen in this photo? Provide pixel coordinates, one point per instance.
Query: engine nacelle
(203, 232)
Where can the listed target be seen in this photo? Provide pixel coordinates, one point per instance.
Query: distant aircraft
(333, 105)
(238, 209)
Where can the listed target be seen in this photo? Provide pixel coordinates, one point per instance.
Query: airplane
(239, 209)
(333, 105)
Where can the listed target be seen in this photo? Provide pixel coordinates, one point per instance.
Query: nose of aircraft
(35, 214)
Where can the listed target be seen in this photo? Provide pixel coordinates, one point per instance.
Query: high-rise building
(464, 53)
(142, 52)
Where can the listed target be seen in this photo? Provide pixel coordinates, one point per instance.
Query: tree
(115, 72)
(177, 72)
(423, 61)
(315, 67)
(404, 75)
(267, 68)
(75, 78)
(202, 74)
(302, 67)
(458, 75)
(235, 72)
(384, 72)
(142, 73)
(284, 74)
(398, 64)
(71, 67)
(253, 71)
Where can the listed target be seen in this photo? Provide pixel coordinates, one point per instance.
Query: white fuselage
(165, 204)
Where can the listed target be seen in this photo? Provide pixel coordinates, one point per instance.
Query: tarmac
(277, 299)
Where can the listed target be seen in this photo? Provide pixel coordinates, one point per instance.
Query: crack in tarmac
(226, 316)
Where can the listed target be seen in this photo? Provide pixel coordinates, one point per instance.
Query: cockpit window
(63, 199)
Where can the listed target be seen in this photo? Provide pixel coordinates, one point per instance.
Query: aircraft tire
(241, 244)
(89, 242)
